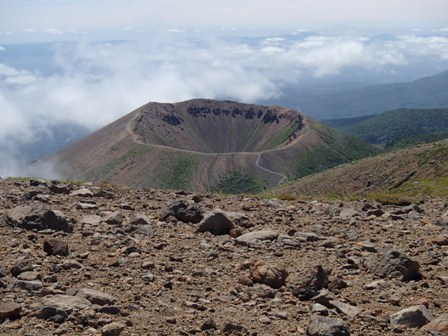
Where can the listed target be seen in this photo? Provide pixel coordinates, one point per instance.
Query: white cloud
(99, 82)
(176, 30)
(12, 76)
(54, 31)
(429, 46)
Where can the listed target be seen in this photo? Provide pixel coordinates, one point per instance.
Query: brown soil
(172, 282)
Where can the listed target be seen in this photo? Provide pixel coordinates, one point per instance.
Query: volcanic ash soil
(89, 260)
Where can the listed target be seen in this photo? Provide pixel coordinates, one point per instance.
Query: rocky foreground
(88, 260)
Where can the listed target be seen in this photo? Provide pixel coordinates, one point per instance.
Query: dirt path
(283, 177)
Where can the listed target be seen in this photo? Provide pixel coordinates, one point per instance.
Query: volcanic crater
(212, 127)
(205, 144)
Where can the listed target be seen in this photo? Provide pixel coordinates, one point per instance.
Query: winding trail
(283, 177)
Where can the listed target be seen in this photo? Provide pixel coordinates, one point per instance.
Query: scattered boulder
(33, 285)
(230, 328)
(345, 308)
(114, 217)
(93, 296)
(442, 221)
(413, 317)
(395, 264)
(72, 264)
(183, 211)
(319, 309)
(255, 236)
(308, 282)
(29, 276)
(39, 218)
(56, 247)
(438, 325)
(271, 275)
(347, 213)
(441, 240)
(112, 329)
(10, 310)
(22, 265)
(139, 219)
(83, 192)
(208, 324)
(216, 222)
(147, 230)
(61, 305)
(325, 326)
(307, 236)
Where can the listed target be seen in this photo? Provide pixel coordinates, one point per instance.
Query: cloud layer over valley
(92, 84)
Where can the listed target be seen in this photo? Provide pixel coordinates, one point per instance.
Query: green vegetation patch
(413, 140)
(177, 171)
(339, 148)
(129, 157)
(240, 182)
(438, 151)
(431, 187)
(282, 137)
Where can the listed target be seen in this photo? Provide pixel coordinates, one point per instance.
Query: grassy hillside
(345, 122)
(407, 174)
(336, 148)
(401, 128)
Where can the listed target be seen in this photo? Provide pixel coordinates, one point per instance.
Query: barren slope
(202, 144)
(126, 269)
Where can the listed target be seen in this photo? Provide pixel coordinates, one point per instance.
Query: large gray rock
(347, 213)
(183, 211)
(325, 326)
(33, 285)
(112, 329)
(93, 296)
(255, 236)
(61, 305)
(39, 218)
(216, 222)
(113, 217)
(83, 192)
(413, 317)
(345, 308)
(395, 264)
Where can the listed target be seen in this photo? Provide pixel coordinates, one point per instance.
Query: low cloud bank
(97, 83)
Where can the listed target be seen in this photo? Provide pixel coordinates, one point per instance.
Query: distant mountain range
(209, 145)
(428, 92)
